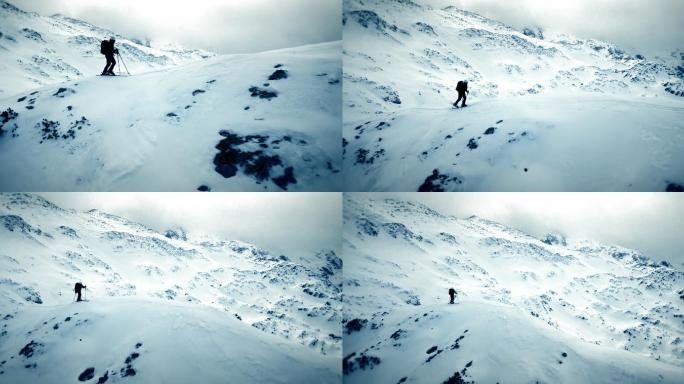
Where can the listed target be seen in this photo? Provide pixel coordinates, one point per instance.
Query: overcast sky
(289, 223)
(223, 26)
(650, 222)
(653, 27)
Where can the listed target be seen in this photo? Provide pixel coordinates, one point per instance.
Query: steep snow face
(549, 310)
(402, 61)
(200, 307)
(39, 50)
(256, 122)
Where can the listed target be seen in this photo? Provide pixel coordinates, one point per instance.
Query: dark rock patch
(277, 66)
(29, 349)
(472, 144)
(351, 363)
(431, 349)
(76, 126)
(499, 122)
(7, 116)
(211, 81)
(262, 93)
(355, 325)
(203, 188)
(246, 108)
(171, 114)
(673, 187)
(437, 182)
(132, 357)
(279, 74)
(19, 100)
(490, 131)
(197, 92)
(103, 378)
(363, 156)
(233, 155)
(49, 129)
(86, 375)
(286, 178)
(62, 92)
(398, 334)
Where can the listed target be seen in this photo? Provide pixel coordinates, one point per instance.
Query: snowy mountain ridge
(535, 102)
(550, 309)
(39, 50)
(289, 302)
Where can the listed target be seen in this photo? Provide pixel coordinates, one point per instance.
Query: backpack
(459, 86)
(103, 46)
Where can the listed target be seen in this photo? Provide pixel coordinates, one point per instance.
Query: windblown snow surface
(253, 122)
(161, 307)
(528, 310)
(545, 113)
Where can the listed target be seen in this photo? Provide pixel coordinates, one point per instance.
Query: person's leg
(111, 62)
(459, 99)
(106, 67)
(79, 296)
(464, 100)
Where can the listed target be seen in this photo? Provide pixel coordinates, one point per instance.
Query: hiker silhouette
(462, 89)
(77, 288)
(452, 295)
(108, 50)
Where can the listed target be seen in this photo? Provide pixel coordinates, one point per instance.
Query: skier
(452, 295)
(77, 288)
(108, 50)
(462, 89)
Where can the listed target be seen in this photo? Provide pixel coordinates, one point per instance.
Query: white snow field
(528, 310)
(578, 114)
(203, 310)
(253, 122)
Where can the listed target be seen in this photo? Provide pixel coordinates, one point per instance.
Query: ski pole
(124, 64)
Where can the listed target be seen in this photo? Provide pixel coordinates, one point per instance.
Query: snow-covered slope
(219, 124)
(36, 50)
(545, 310)
(612, 120)
(212, 310)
